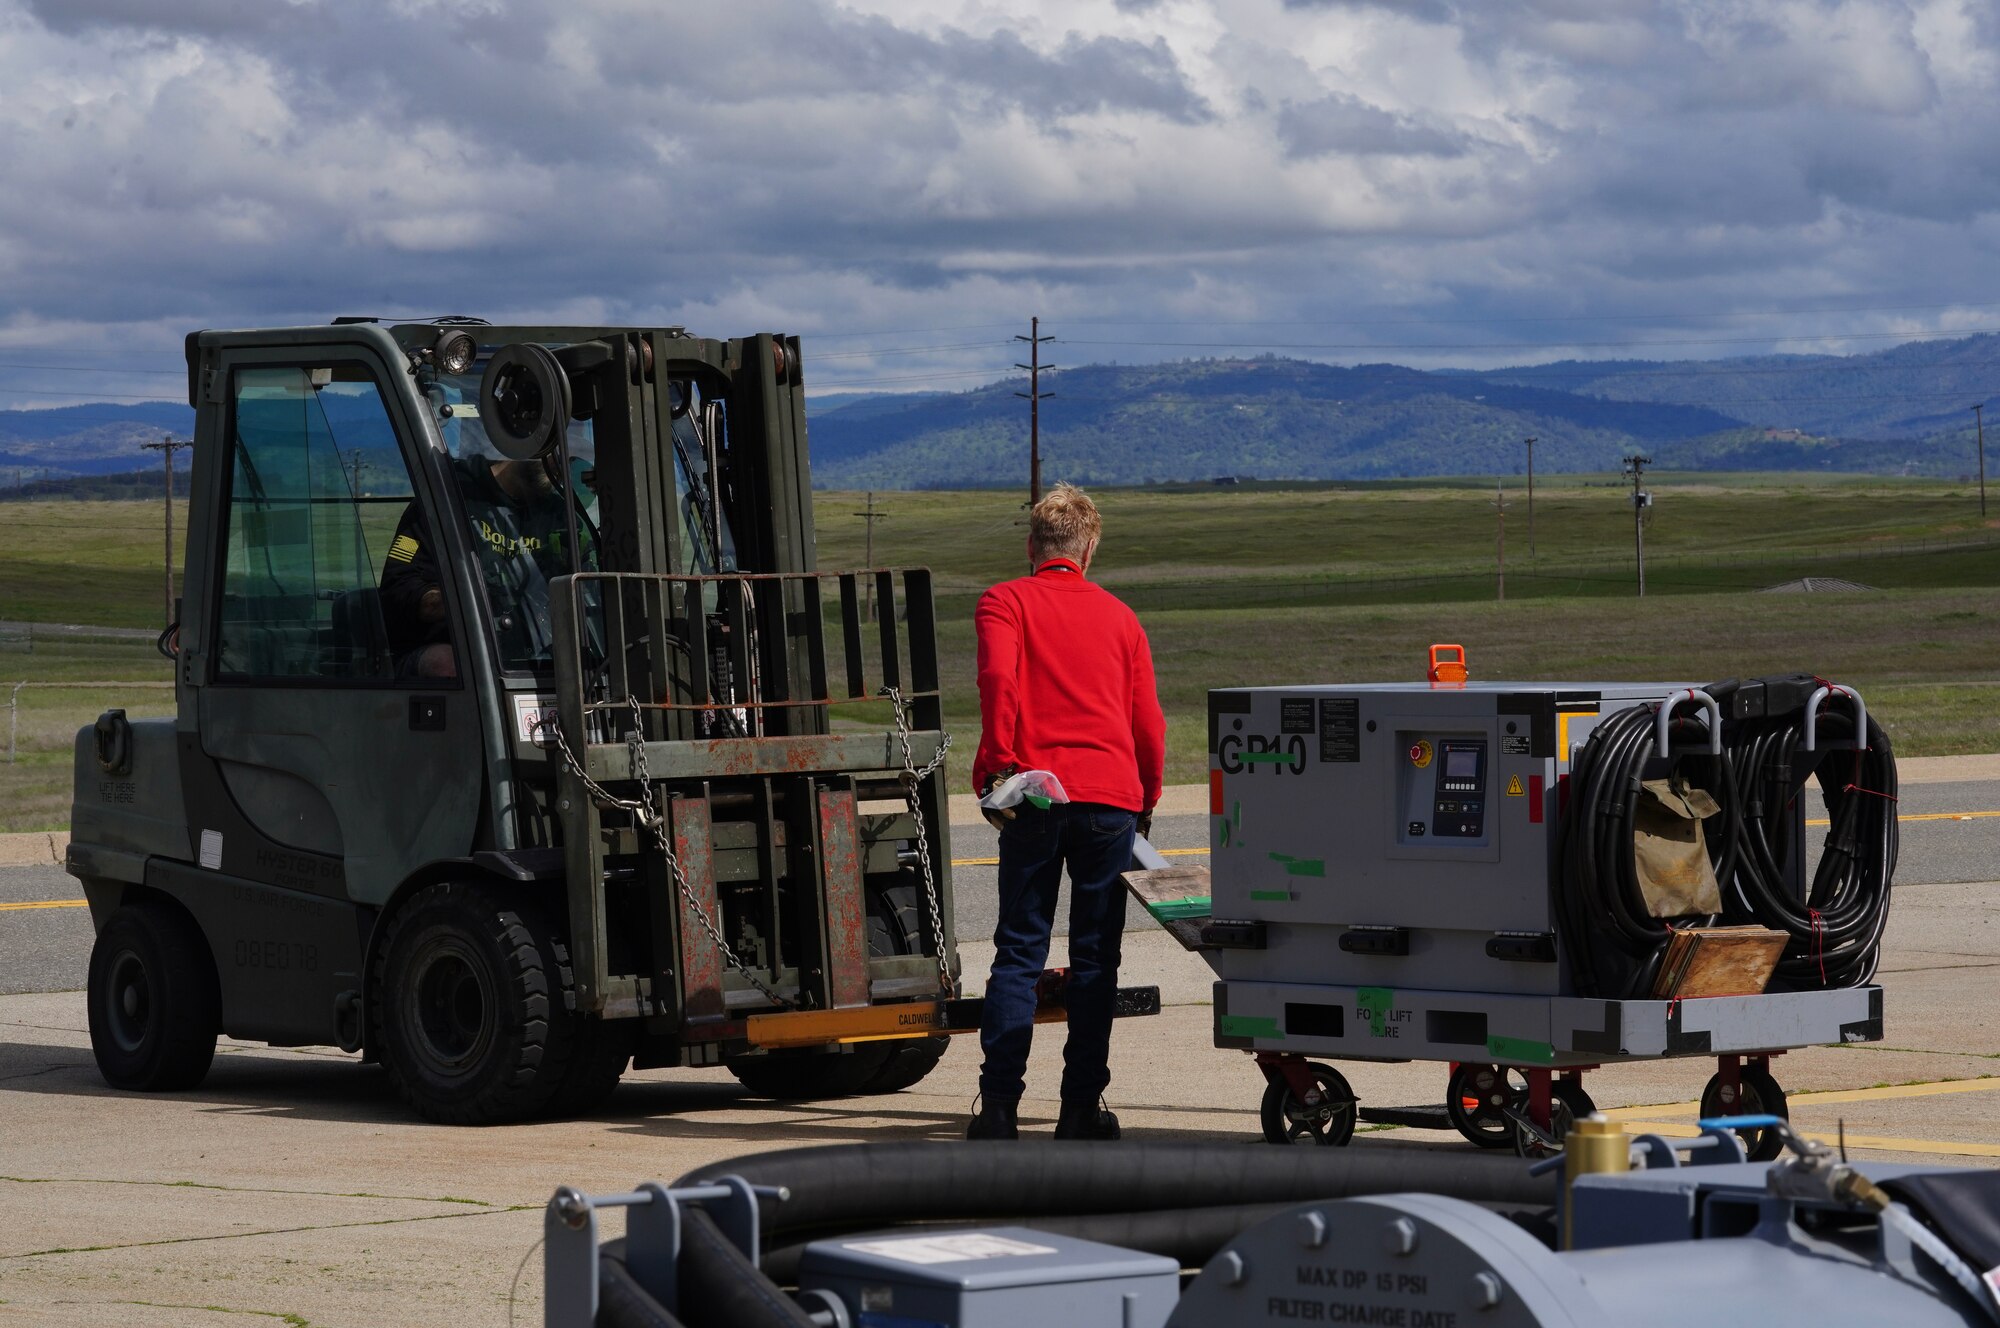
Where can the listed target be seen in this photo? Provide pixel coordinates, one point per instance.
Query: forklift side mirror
(524, 399)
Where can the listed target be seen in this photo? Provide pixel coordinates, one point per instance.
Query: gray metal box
(995, 1277)
(1428, 809)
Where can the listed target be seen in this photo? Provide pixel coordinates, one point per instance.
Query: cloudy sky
(906, 182)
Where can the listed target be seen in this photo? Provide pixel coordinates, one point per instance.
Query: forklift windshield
(515, 514)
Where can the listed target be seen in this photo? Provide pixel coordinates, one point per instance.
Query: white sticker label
(948, 1249)
(534, 717)
(211, 850)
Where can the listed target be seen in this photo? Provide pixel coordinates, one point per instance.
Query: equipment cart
(1485, 874)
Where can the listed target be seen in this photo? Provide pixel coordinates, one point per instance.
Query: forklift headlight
(455, 352)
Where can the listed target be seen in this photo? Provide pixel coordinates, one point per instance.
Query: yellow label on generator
(1514, 789)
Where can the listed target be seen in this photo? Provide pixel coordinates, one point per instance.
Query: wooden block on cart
(1176, 897)
(1718, 961)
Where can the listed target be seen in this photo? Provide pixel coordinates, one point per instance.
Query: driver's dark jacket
(520, 546)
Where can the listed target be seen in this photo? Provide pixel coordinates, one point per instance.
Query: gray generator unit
(1411, 872)
(1642, 1231)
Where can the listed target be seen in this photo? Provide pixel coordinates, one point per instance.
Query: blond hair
(1063, 524)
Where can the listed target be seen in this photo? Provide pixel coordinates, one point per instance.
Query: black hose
(621, 1301)
(859, 1187)
(721, 1288)
(1615, 945)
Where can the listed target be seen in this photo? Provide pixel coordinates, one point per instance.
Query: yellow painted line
(1930, 816)
(1885, 1143)
(1881, 1094)
(1164, 852)
(45, 903)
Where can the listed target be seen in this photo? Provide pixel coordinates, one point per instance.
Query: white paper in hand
(1035, 786)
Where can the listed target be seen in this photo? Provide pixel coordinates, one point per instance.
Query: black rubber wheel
(895, 927)
(603, 1049)
(468, 1010)
(155, 1007)
(1476, 1099)
(1568, 1104)
(1758, 1095)
(1289, 1121)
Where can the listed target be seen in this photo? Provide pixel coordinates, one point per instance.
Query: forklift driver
(514, 511)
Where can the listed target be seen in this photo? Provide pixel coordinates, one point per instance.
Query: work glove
(997, 817)
(1143, 826)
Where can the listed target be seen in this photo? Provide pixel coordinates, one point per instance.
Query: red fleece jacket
(1066, 685)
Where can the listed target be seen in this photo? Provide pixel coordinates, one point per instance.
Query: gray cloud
(1183, 165)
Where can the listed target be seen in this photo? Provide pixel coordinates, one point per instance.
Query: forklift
(520, 739)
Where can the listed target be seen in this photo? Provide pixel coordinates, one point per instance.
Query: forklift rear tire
(155, 1007)
(469, 1007)
(895, 927)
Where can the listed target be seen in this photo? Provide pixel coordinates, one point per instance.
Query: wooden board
(1177, 899)
(1718, 961)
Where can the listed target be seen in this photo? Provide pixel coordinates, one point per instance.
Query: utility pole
(1531, 497)
(871, 516)
(1035, 397)
(354, 473)
(166, 447)
(1635, 466)
(1979, 419)
(1500, 506)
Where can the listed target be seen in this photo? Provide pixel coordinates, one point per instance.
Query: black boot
(995, 1119)
(1086, 1120)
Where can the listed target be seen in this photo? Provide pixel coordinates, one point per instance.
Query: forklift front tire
(155, 1007)
(469, 1013)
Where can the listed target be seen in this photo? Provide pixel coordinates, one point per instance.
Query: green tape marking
(1272, 896)
(1266, 758)
(1300, 866)
(1376, 1002)
(1519, 1049)
(1194, 906)
(1248, 1026)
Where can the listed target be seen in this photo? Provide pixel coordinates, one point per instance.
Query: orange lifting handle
(1448, 665)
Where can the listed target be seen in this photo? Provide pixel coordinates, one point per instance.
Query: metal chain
(647, 811)
(912, 778)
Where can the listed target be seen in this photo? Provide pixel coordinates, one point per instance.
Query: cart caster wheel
(1476, 1101)
(1757, 1094)
(1568, 1104)
(1329, 1123)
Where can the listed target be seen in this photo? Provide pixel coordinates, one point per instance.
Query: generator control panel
(1458, 810)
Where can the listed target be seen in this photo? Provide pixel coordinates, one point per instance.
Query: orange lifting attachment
(1447, 666)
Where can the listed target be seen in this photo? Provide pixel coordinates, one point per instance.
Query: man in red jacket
(1065, 685)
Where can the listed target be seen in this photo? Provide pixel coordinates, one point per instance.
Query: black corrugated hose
(1615, 945)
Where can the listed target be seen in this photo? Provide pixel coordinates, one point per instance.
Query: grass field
(1280, 584)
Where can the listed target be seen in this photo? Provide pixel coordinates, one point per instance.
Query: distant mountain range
(1897, 411)
(1901, 410)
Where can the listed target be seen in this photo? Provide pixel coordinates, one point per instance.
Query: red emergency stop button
(1420, 753)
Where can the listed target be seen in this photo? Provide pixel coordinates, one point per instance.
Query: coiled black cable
(1615, 945)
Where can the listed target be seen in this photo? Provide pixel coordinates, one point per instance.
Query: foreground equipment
(505, 749)
(1528, 880)
(1000, 1236)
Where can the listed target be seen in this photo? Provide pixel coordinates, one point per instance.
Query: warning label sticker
(1515, 745)
(948, 1249)
(1295, 716)
(1340, 729)
(1514, 789)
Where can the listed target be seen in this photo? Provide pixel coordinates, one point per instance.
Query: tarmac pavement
(293, 1187)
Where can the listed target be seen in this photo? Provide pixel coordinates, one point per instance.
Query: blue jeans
(1095, 842)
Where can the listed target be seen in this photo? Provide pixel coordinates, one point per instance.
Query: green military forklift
(519, 738)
